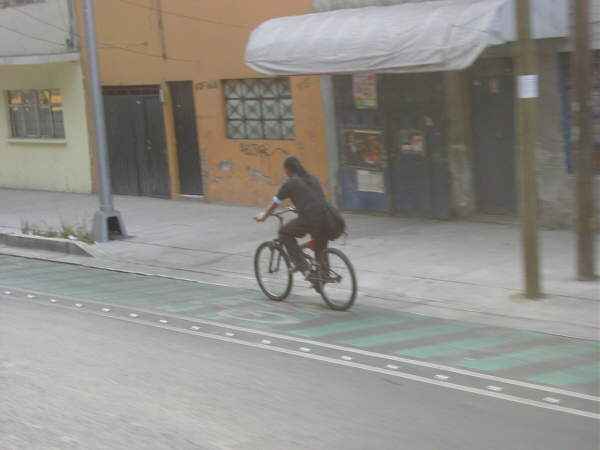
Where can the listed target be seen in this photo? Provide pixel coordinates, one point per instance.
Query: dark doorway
(492, 105)
(414, 105)
(407, 124)
(136, 141)
(188, 156)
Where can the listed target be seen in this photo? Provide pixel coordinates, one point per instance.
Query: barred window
(259, 109)
(36, 113)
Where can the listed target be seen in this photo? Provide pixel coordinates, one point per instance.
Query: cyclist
(306, 193)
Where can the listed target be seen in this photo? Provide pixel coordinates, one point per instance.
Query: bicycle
(330, 273)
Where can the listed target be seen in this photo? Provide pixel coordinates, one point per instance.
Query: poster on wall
(364, 87)
(363, 149)
(412, 142)
(370, 181)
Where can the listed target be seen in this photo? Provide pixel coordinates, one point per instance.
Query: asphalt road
(73, 378)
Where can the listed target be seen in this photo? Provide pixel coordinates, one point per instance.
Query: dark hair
(292, 163)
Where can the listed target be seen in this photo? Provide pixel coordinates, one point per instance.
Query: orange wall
(201, 51)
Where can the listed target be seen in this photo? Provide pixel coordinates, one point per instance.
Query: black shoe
(310, 277)
(315, 286)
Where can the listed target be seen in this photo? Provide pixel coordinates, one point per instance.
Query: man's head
(291, 165)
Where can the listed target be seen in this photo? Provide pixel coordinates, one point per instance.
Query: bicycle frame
(324, 273)
(310, 244)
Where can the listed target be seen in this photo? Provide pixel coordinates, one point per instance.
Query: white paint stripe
(357, 351)
(391, 358)
(477, 391)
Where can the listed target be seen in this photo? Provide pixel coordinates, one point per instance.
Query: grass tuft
(76, 230)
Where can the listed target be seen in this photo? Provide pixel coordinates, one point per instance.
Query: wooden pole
(526, 115)
(582, 144)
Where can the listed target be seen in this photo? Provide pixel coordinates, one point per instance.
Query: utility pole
(582, 144)
(107, 221)
(526, 115)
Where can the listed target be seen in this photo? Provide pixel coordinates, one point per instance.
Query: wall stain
(257, 175)
(205, 176)
(226, 165)
(312, 135)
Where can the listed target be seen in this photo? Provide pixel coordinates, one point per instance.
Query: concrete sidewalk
(468, 271)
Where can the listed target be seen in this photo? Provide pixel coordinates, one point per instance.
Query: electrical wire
(32, 37)
(187, 17)
(106, 46)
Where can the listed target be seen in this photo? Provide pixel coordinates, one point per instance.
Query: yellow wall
(201, 51)
(52, 165)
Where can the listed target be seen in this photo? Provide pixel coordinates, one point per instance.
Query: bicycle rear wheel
(272, 270)
(336, 279)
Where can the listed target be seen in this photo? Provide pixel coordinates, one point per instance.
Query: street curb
(49, 244)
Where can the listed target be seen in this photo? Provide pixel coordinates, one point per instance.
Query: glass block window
(259, 109)
(36, 113)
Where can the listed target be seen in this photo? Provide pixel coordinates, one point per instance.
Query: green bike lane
(549, 360)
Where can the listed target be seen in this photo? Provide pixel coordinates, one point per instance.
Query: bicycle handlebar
(283, 211)
(279, 214)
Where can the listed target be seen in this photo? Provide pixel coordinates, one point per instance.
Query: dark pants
(297, 228)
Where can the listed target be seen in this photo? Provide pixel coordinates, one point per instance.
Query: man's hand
(263, 216)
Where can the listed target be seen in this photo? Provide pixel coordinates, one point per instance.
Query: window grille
(259, 109)
(36, 113)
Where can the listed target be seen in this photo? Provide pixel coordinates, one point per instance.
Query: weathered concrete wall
(460, 148)
(554, 186)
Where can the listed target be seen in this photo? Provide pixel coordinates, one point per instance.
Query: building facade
(186, 116)
(422, 117)
(43, 137)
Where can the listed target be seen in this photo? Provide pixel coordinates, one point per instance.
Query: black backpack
(335, 225)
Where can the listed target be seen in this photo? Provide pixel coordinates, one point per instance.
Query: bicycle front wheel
(336, 279)
(272, 270)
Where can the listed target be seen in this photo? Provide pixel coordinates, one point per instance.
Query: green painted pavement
(407, 335)
(479, 343)
(573, 375)
(355, 325)
(534, 355)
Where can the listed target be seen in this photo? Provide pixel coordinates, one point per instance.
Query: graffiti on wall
(304, 84)
(260, 149)
(211, 84)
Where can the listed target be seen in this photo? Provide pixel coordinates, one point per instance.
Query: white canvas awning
(408, 37)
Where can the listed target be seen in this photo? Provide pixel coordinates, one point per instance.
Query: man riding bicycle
(306, 193)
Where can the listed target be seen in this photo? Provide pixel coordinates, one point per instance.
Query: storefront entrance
(393, 152)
